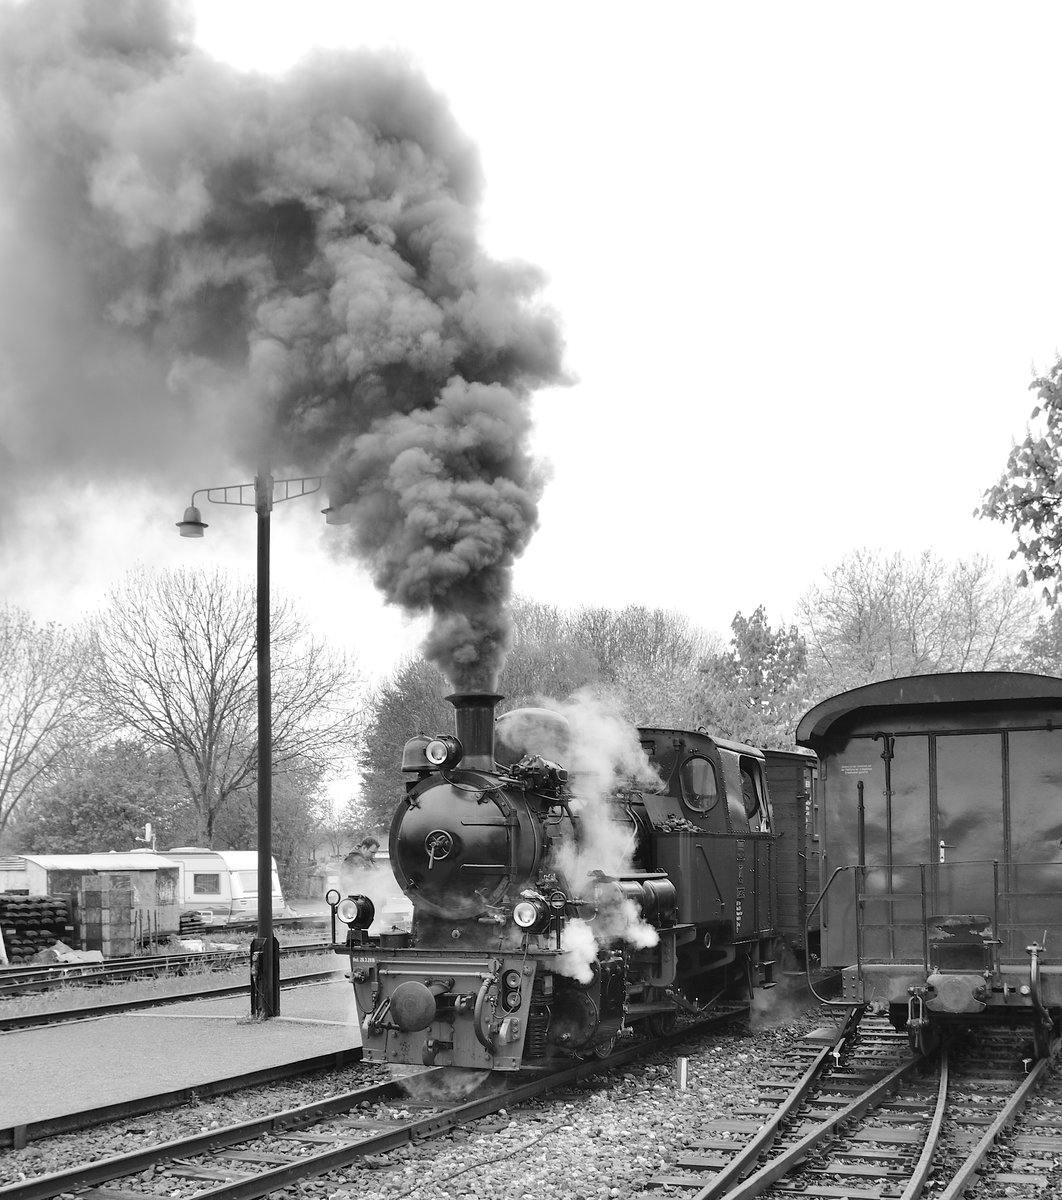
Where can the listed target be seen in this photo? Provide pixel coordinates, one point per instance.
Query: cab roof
(736, 747)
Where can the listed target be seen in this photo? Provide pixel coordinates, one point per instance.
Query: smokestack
(474, 723)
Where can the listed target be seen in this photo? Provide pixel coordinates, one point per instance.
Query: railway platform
(68, 1076)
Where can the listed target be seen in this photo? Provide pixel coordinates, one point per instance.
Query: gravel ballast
(605, 1138)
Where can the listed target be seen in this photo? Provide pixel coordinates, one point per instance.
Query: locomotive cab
(712, 832)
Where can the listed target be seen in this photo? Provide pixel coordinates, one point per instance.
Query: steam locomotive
(533, 938)
(938, 824)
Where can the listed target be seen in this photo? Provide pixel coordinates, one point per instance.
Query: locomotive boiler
(940, 820)
(530, 941)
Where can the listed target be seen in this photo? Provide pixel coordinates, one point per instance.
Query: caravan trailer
(221, 885)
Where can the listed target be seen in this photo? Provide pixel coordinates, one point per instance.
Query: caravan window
(206, 884)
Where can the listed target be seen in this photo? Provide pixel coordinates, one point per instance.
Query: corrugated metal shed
(98, 862)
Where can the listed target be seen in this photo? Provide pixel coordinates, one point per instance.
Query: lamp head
(193, 523)
(334, 516)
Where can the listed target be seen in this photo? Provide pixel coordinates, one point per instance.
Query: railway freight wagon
(522, 950)
(941, 837)
(792, 779)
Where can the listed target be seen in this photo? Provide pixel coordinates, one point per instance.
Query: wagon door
(969, 795)
(963, 878)
(878, 798)
(999, 802)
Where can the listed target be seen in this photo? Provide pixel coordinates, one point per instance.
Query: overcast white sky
(805, 255)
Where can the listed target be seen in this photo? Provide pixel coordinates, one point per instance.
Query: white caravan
(221, 885)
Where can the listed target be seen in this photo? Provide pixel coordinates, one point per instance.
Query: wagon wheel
(661, 1022)
(922, 1036)
(1041, 1038)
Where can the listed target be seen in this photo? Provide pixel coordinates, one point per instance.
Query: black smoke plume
(284, 269)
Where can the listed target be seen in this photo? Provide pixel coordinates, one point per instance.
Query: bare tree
(41, 671)
(545, 659)
(883, 616)
(337, 821)
(647, 659)
(175, 663)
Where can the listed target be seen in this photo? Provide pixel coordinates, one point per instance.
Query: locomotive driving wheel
(600, 1049)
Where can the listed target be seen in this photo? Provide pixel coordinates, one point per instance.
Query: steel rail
(768, 1174)
(308, 919)
(21, 981)
(922, 1168)
(961, 1180)
(741, 1164)
(18, 980)
(43, 1187)
(60, 1016)
(313, 1165)
(47, 1187)
(17, 1137)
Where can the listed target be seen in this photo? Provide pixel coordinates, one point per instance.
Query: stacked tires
(32, 923)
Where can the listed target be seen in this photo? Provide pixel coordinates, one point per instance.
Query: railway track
(858, 1115)
(18, 981)
(84, 1012)
(257, 1157)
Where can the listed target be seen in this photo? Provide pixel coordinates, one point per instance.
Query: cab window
(700, 787)
(751, 796)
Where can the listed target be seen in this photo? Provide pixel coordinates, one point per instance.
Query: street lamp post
(261, 495)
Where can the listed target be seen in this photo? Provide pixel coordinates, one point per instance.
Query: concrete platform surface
(82, 1066)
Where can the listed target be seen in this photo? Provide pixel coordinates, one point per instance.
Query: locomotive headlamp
(444, 751)
(530, 913)
(357, 911)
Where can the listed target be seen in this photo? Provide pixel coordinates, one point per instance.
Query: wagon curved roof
(967, 687)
